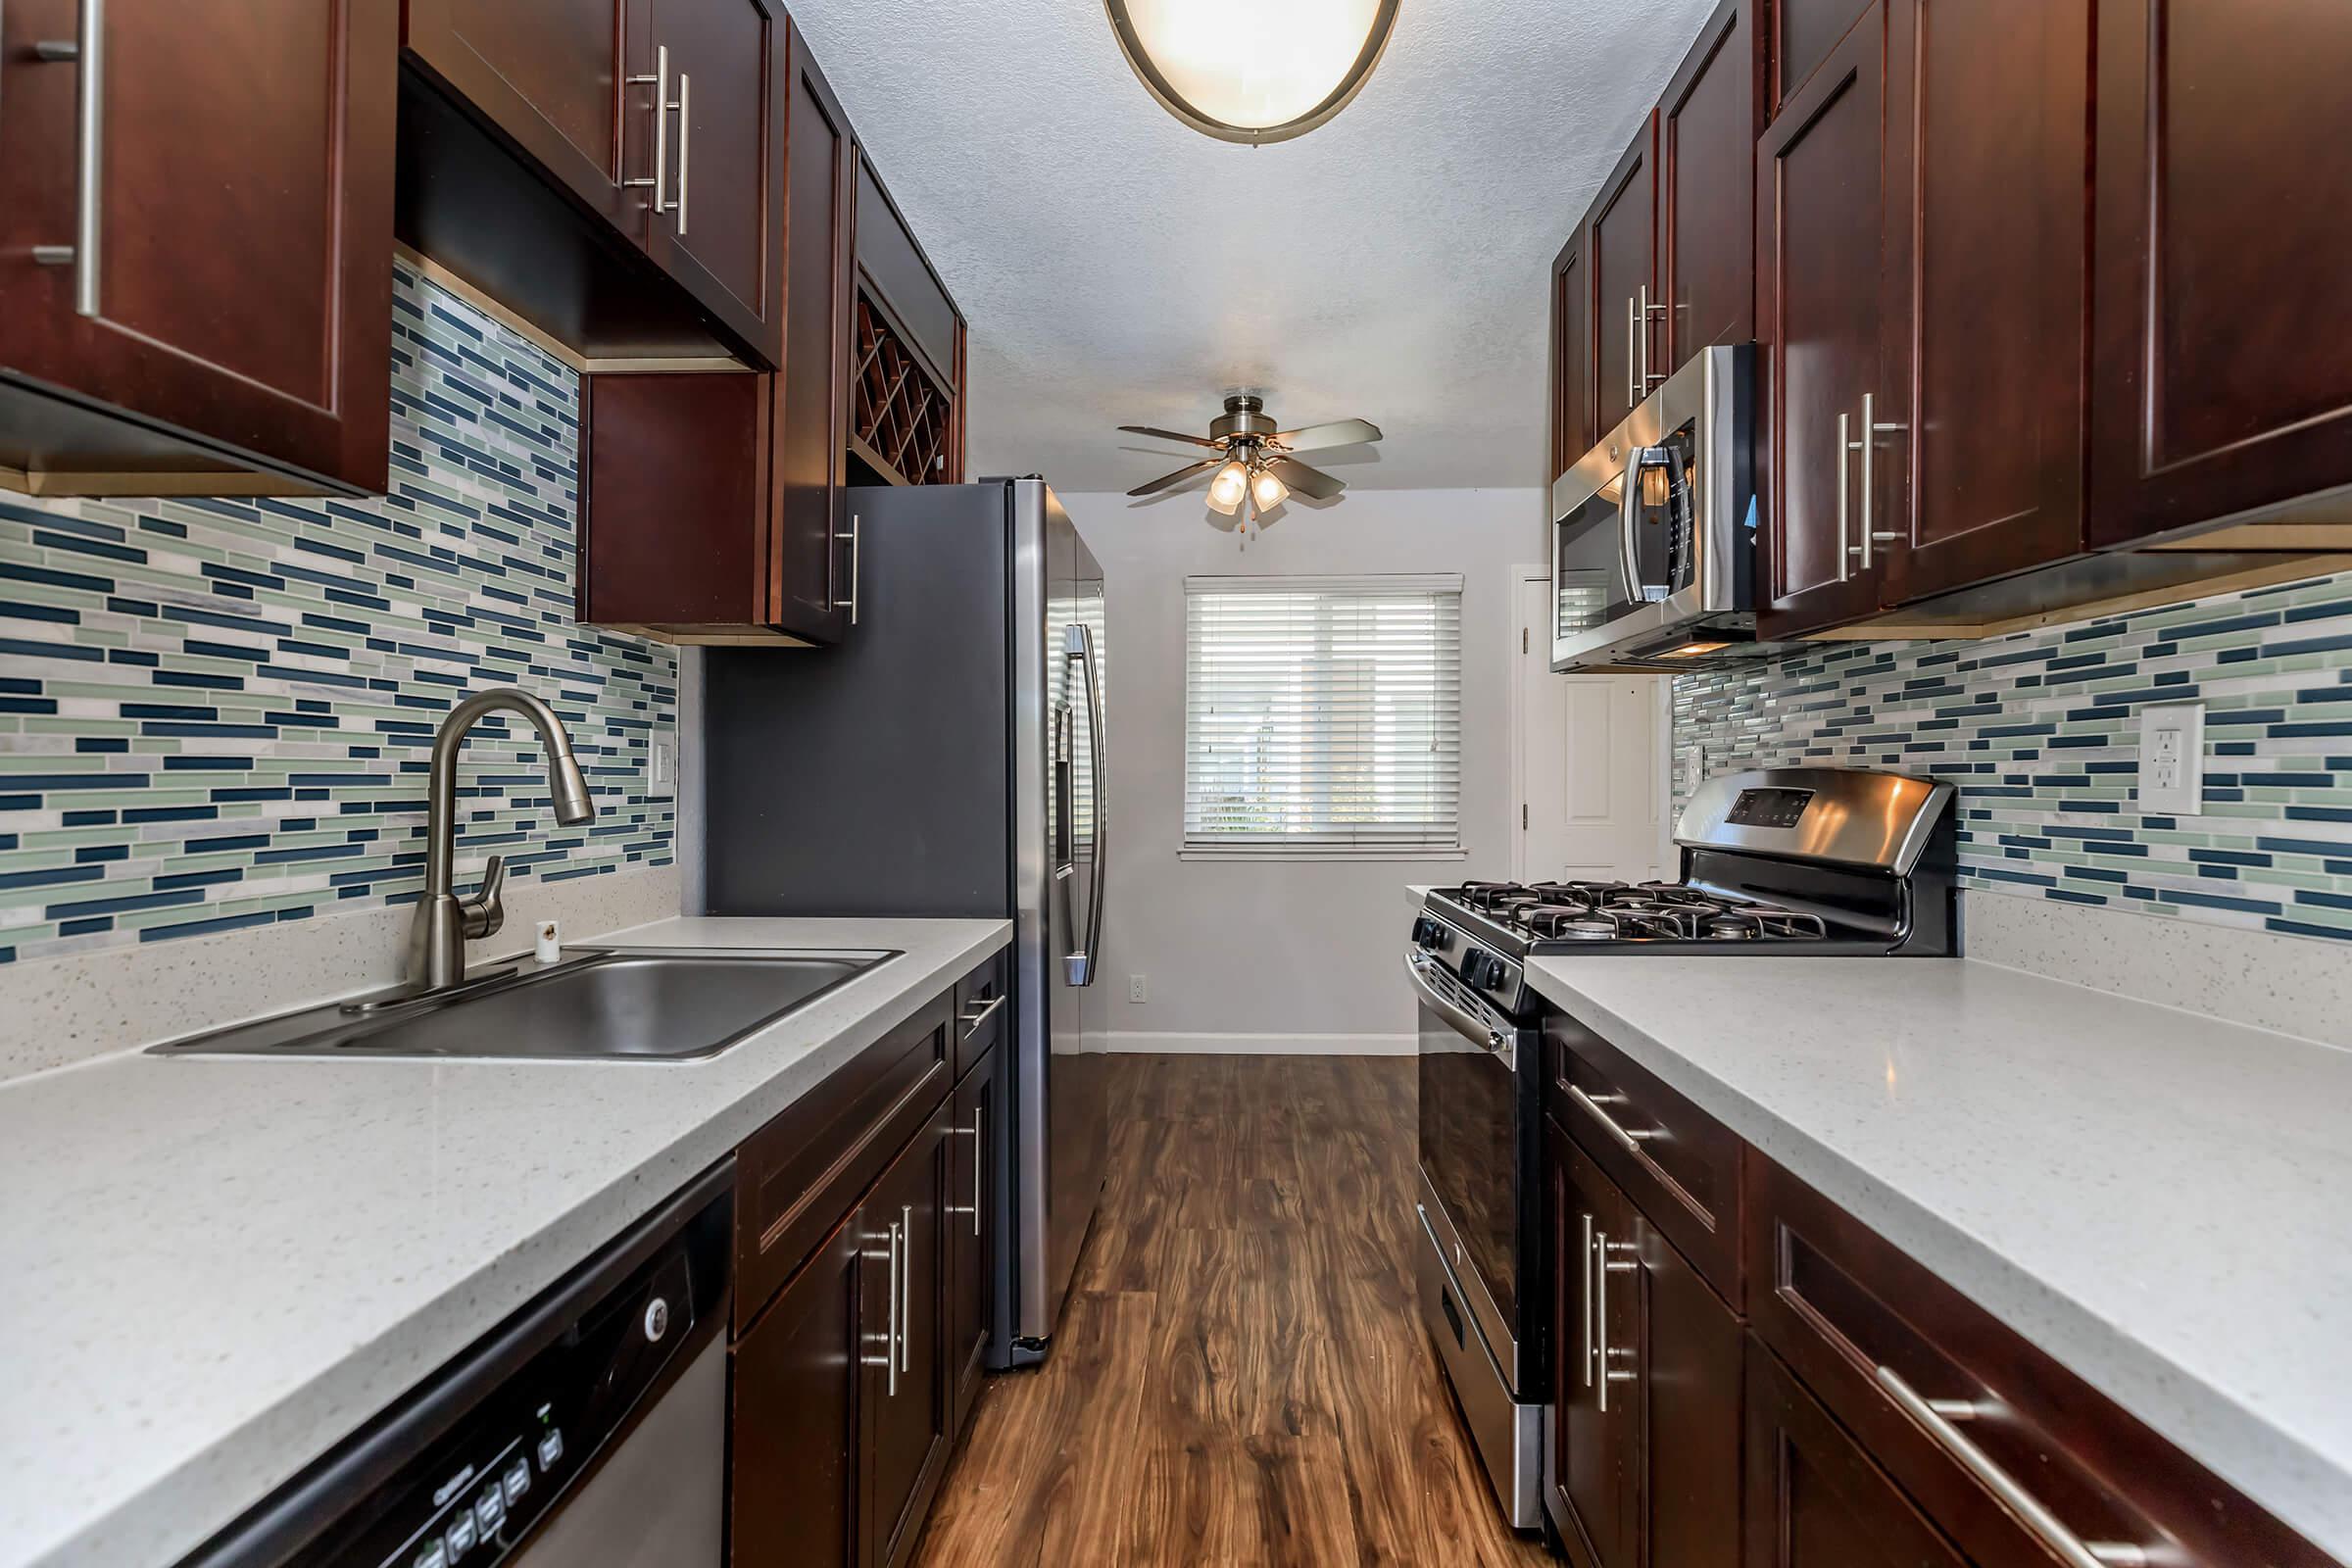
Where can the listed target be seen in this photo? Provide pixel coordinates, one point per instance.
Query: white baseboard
(1135, 1042)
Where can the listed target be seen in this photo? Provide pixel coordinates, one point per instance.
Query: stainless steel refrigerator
(947, 760)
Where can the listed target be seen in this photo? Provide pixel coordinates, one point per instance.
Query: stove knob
(1426, 932)
(1493, 972)
(1474, 965)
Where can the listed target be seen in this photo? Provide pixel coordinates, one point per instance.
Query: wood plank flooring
(1241, 1375)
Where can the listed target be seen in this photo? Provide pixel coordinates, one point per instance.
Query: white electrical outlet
(2172, 760)
(1137, 989)
(664, 766)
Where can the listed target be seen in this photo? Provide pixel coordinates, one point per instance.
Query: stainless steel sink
(607, 1004)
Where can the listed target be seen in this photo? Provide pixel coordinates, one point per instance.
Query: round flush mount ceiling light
(1254, 70)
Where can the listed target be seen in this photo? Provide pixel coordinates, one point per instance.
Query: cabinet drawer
(1680, 1165)
(2009, 1433)
(983, 1000)
(801, 1173)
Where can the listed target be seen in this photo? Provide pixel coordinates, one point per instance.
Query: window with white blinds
(1323, 716)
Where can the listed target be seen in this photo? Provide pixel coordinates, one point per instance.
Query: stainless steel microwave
(1653, 533)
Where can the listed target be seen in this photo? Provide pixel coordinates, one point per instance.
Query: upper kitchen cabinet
(1820, 209)
(1974, 468)
(1572, 431)
(610, 172)
(1802, 34)
(1621, 247)
(907, 414)
(195, 246)
(2219, 382)
(1707, 127)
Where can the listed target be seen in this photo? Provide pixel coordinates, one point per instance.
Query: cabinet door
(1983, 466)
(1649, 1403)
(673, 499)
(1804, 33)
(219, 259)
(1820, 206)
(2222, 234)
(1622, 246)
(972, 1233)
(798, 1384)
(1813, 1500)
(906, 1420)
(810, 561)
(1572, 434)
(721, 234)
(1592, 1483)
(549, 73)
(1707, 127)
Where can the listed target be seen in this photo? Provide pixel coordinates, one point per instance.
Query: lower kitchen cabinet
(1814, 1497)
(853, 1382)
(1646, 1440)
(972, 1233)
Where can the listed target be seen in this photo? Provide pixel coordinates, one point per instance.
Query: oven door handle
(1469, 1025)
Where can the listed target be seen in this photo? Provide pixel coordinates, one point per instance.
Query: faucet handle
(484, 913)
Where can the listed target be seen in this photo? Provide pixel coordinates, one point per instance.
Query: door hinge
(1522, 816)
(1523, 639)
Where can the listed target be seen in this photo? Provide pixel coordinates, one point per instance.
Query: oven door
(1471, 1125)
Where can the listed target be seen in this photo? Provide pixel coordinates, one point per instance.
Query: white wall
(1288, 955)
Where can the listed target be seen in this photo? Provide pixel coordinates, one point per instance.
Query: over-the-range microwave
(1653, 534)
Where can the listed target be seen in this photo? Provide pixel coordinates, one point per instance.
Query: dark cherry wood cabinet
(1821, 210)
(865, 1253)
(796, 1408)
(1571, 343)
(1803, 33)
(1707, 127)
(907, 417)
(973, 1227)
(1813, 1498)
(1977, 445)
(2219, 383)
(1621, 246)
(199, 299)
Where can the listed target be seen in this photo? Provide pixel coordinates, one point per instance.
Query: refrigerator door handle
(1078, 647)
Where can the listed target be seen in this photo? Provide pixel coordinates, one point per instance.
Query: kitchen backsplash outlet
(216, 713)
(2040, 731)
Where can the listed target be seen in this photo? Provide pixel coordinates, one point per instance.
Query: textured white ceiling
(1118, 267)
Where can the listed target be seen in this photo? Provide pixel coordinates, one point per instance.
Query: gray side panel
(874, 778)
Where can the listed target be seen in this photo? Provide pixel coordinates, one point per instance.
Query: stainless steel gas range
(1786, 862)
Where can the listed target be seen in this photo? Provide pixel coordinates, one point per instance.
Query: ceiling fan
(1254, 460)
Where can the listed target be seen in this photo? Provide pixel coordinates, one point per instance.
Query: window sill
(1301, 852)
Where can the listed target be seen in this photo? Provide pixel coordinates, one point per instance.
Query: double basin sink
(644, 1005)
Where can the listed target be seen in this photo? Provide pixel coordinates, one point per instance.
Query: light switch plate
(663, 766)
(2172, 760)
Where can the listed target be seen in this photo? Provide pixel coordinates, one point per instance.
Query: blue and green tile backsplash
(2041, 733)
(217, 714)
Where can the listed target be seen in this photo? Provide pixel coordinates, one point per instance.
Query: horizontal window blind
(1323, 714)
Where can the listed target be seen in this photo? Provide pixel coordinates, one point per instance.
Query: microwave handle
(1629, 518)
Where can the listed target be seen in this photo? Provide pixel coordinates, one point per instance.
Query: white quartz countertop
(2160, 1201)
(212, 1269)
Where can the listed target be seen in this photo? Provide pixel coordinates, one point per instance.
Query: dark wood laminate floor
(1241, 1375)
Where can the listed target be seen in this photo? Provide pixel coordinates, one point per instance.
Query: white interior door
(1592, 782)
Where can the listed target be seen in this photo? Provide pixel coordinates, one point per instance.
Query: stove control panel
(1769, 807)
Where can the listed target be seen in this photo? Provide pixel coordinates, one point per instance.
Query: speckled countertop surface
(217, 1268)
(2161, 1201)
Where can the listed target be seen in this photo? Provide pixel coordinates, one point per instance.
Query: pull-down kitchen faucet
(445, 922)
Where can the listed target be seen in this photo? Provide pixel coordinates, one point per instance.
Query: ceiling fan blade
(1173, 435)
(1169, 480)
(1339, 433)
(1312, 483)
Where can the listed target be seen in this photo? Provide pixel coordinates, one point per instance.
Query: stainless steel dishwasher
(587, 1430)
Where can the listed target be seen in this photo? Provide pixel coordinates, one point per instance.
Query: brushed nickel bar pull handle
(1937, 1417)
(979, 1166)
(1633, 362)
(88, 52)
(890, 1333)
(685, 142)
(972, 1021)
(1845, 447)
(1649, 313)
(1586, 1258)
(850, 604)
(1602, 1268)
(1632, 1140)
(659, 82)
(905, 1279)
(1872, 428)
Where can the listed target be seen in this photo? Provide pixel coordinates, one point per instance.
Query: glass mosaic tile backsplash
(2041, 733)
(217, 714)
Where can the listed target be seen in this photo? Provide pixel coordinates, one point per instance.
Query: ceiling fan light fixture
(1226, 490)
(1246, 71)
(1266, 491)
